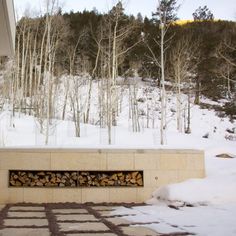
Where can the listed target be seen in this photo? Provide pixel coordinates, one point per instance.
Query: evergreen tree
(203, 13)
(166, 11)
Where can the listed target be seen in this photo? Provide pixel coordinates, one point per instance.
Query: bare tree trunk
(179, 107)
(91, 82)
(188, 131)
(65, 100)
(197, 92)
(148, 115)
(163, 91)
(48, 106)
(75, 104)
(134, 109)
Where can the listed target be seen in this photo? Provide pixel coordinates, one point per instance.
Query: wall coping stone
(96, 150)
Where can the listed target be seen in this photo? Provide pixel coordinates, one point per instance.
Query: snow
(202, 220)
(204, 207)
(217, 188)
(25, 131)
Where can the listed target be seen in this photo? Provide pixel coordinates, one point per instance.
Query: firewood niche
(73, 179)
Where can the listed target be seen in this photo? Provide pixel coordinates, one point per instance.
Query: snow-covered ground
(203, 207)
(23, 131)
(201, 221)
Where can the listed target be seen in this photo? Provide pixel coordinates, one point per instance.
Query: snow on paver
(204, 220)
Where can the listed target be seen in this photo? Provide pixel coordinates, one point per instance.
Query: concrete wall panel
(160, 167)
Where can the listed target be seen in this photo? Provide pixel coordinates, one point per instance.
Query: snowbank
(213, 190)
(217, 188)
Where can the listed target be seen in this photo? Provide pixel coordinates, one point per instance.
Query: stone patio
(66, 219)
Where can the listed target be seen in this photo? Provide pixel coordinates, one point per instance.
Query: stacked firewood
(103, 179)
(43, 179)
(75, 179)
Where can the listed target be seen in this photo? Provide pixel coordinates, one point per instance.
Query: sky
(222, 9)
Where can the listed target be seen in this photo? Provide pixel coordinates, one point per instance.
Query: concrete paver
(69, 211)
(138, 231)
(25, 222)
(63, 219)
(118, 220)
(26, 208)
(105, 213)
(83, 226)
(110, 213)
(76, 218)
(24, 232)
(104, 208)
(103, 234)
(14, 214)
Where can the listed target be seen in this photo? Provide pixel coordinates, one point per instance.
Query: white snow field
(23, 130)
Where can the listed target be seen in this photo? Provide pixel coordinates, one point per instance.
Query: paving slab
(110, 213)
(69, 220)
(138, 231)
(103, 234)
(104, 208)
(118, 220)
(25, 222)
(92, 226)
(106, 213)
(69, 211)
(15, 214)
(76, 218)
(24, 232)
(26, 208)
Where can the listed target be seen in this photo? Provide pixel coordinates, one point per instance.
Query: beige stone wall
(160, 167)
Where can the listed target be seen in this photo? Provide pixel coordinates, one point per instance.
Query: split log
(75, 179)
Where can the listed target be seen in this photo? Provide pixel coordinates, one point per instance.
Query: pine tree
(203, 13)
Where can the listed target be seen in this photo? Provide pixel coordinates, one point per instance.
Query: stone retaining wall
(160, 167)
